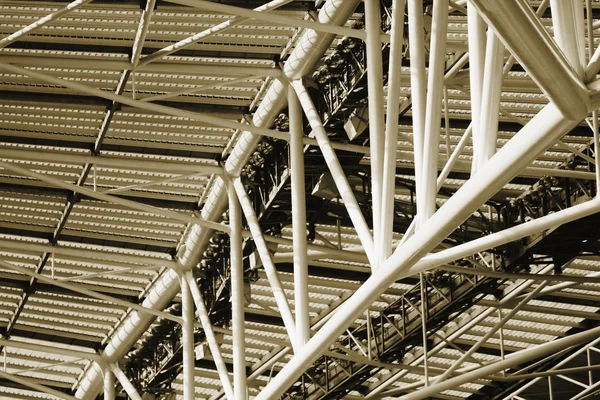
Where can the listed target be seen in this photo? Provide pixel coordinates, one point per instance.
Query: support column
(376, 124)
(187, 307)
(384, 247)
(476, 39)
(210, 336)
(435, 86)
(337, 172)
(567, 21)
(109, 384)
(490, 103)
(418, 85)
(299, 220)
(237, 296)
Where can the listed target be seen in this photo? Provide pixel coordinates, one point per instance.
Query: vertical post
(187, 312)
(550, 396)
(376, 122)
(299, 220)
(337, 172)
(125, 382)
(237, 296)
(418, 85)
(210, 336)
(567, 21)
(109, 384)
(424, 326)
(435, 85)
(384, 246)
(476, 41)
(490, 103)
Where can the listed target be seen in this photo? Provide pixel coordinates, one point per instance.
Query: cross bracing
(299, 199)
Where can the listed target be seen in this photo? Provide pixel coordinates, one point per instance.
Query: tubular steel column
(384, 247)
(237, 296)
(187, 329)
(418, 85)
(299, 220)
(435, 86)
(337, 172)
(376, 121)
(490, 102)
(476, 39)
(109, 385)
(567, 21)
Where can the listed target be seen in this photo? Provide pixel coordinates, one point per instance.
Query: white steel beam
(276, 18)
(435, 87)
(418, 85)
(42, 22)
(300, 253)
(538, 54)
(490, 101)
(384, 247)
(140, 35)
(109, 384)
(81, 289)
(207, 327)
(125, 382)
(476, 39)
(113, 199)
(567, 21)
(209, 119)
(376, 120)
(237, 296)
(112, 162)
(540, 133)
(187, 340)
(510, 361)
(27, 382)
(213, 30)
(265, 256)
(341, 181)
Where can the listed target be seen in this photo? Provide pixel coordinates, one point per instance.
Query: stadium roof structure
(299, 199)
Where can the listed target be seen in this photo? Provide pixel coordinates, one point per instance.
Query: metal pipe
(211, 339)
(435, 87)
(104, 257)
(42, 22)
(265, 256)
(140, 35)
(490, 333)
(596, 149)
(299, 220)
(510, 361)
(125, 382)
(541, 58)
(418, 84)
(543, 130)
(112, 162)
(109, 384)
(474, 321)
(490, 103)
(187, 340)
(341, 181)
(568, 33)
(114, 199)
(29, 383)
(376, 121)
(476, 40)
(310, 47)
(213, 30)
(237, 296)
(277, 18)
(384, 245)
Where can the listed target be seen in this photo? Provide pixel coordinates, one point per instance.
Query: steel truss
(352, 350)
